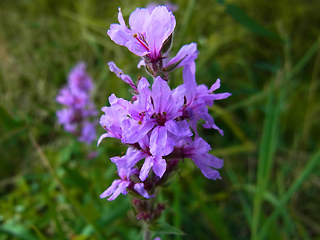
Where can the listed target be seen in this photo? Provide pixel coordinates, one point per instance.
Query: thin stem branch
(146, 233)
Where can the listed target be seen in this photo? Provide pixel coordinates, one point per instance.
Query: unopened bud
(166, 45)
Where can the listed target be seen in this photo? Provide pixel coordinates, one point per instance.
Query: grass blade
(312, 163)
(266, 154)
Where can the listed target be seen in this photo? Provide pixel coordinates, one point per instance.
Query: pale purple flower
(113, 117)
(79, 108)
(199, 98)
(156, 124)
(66, 118)
(121, 185)
(198, 150)
(149, 121)
(79, 80)
(88, 132)
(170, 6)
(156, 115)
(147, 33)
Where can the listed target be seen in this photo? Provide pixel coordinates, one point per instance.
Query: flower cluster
(75, 117)
(159, 124)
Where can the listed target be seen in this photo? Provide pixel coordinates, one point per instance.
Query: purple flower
(88, 132)
(113, 117)
(120, 185)
(78, 79)
(198, 152)
(170, 6)
(75, 117)
(156, 124)
(147, 32)
(198, 99)
(156, 115)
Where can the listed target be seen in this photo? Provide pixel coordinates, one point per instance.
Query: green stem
(146, 233)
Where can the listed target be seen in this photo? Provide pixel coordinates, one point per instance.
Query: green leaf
(165, 228)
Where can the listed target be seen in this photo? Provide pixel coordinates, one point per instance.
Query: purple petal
(132, 157)
(189, 80)
(139, 187)
(180, 128)
(134, 131)
(186, 55)
(111, 189)
(207, 171)
(88, 132)
(102, 137)
(158, 140)
(136, 47)
(215, 86)
(78, 79)
(201, 146)
(219, 96)
(159, 166)
(144, 172)
(120, 18)
(212, 161)
(139, 20)
(161, 94)
(162, 24)
(121, 189)
(210, 173)
(119, 34)
(126, 78)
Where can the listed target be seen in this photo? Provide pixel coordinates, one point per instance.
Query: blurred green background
(267, 54)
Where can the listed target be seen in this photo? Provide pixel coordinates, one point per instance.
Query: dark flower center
(161, 118)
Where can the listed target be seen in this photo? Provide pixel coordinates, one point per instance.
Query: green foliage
(267, 54)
